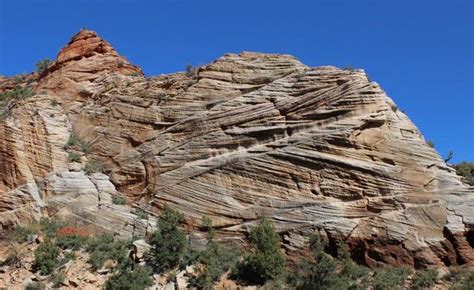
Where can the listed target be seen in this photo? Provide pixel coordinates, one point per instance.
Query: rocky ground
(78, 273)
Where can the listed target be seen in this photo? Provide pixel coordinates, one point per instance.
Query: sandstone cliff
(248, 135)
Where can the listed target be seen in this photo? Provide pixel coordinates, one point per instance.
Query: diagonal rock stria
(313, 149)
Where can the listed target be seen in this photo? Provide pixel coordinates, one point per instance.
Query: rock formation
(249, 135)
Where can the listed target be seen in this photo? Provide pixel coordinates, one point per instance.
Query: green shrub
(215, 260)
(54, 102)
(68, 256)
(266, 262)
(46, 257)
(57, 279)
(93, 166)
(141, 213)
(74, 157)
(424, 279)
(466, 170)
(35, 286)
(105, 247)
(73, 242)
(390, 278)
(12, 260)
(24, 234)
(18, 93)
(355, 275)
(118, 199)
(465, 284)
(462, 279)
(168, 242)
(77, 143)
(191, 71)
(349, 68)
(42, 65)
(430, 143)
(50, 227)
(136, 279)
(319, 271)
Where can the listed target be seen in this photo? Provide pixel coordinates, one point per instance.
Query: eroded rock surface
(313, 149)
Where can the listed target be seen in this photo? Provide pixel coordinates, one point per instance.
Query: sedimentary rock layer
(249, 135)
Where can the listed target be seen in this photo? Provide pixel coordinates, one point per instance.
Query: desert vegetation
(263, 264)
(42, 65)
(466, 171)
(18, 93)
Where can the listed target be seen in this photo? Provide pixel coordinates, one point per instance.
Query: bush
(118, 199)
(266, 262)
(466, 170)
(71, 237)
(168, 243)
(424, 279)
(57, 279)
(136, 279)
(141, 213)
(105, 247)
(35, 286)
(23, 234)
(319, 271)
(74, 157)
(77, 143)
(390, 278)
(93, 166)
(54, 102)
(215, 260)
(42, 65)
(462, 279)
(50, 227)
(355, 275)
(46, 257)
(191, 71)
(430, 143)
(12, 260)
(68, 256)
(17, 93)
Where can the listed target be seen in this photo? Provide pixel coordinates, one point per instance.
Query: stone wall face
(313, 149)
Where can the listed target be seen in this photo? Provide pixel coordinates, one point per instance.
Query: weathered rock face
(249, 135)
(84, 58)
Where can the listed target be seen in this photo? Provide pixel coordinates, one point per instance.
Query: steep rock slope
(313, 149)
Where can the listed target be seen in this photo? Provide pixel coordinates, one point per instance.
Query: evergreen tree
(168, 242)
(266, 262)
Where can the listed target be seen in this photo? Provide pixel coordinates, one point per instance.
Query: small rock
(190, 269)
(180, 274)
(170, 286)
(39, 238)
(73, 282)
(75, 166)
(182, 282)
(442, 272)
(90, 278)
(25, 283)
(66, 266)
(102, 271)
(141, 247)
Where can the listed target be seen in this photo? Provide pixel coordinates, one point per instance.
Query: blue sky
(421, 52)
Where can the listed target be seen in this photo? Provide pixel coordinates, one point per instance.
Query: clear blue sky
(421, 52)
